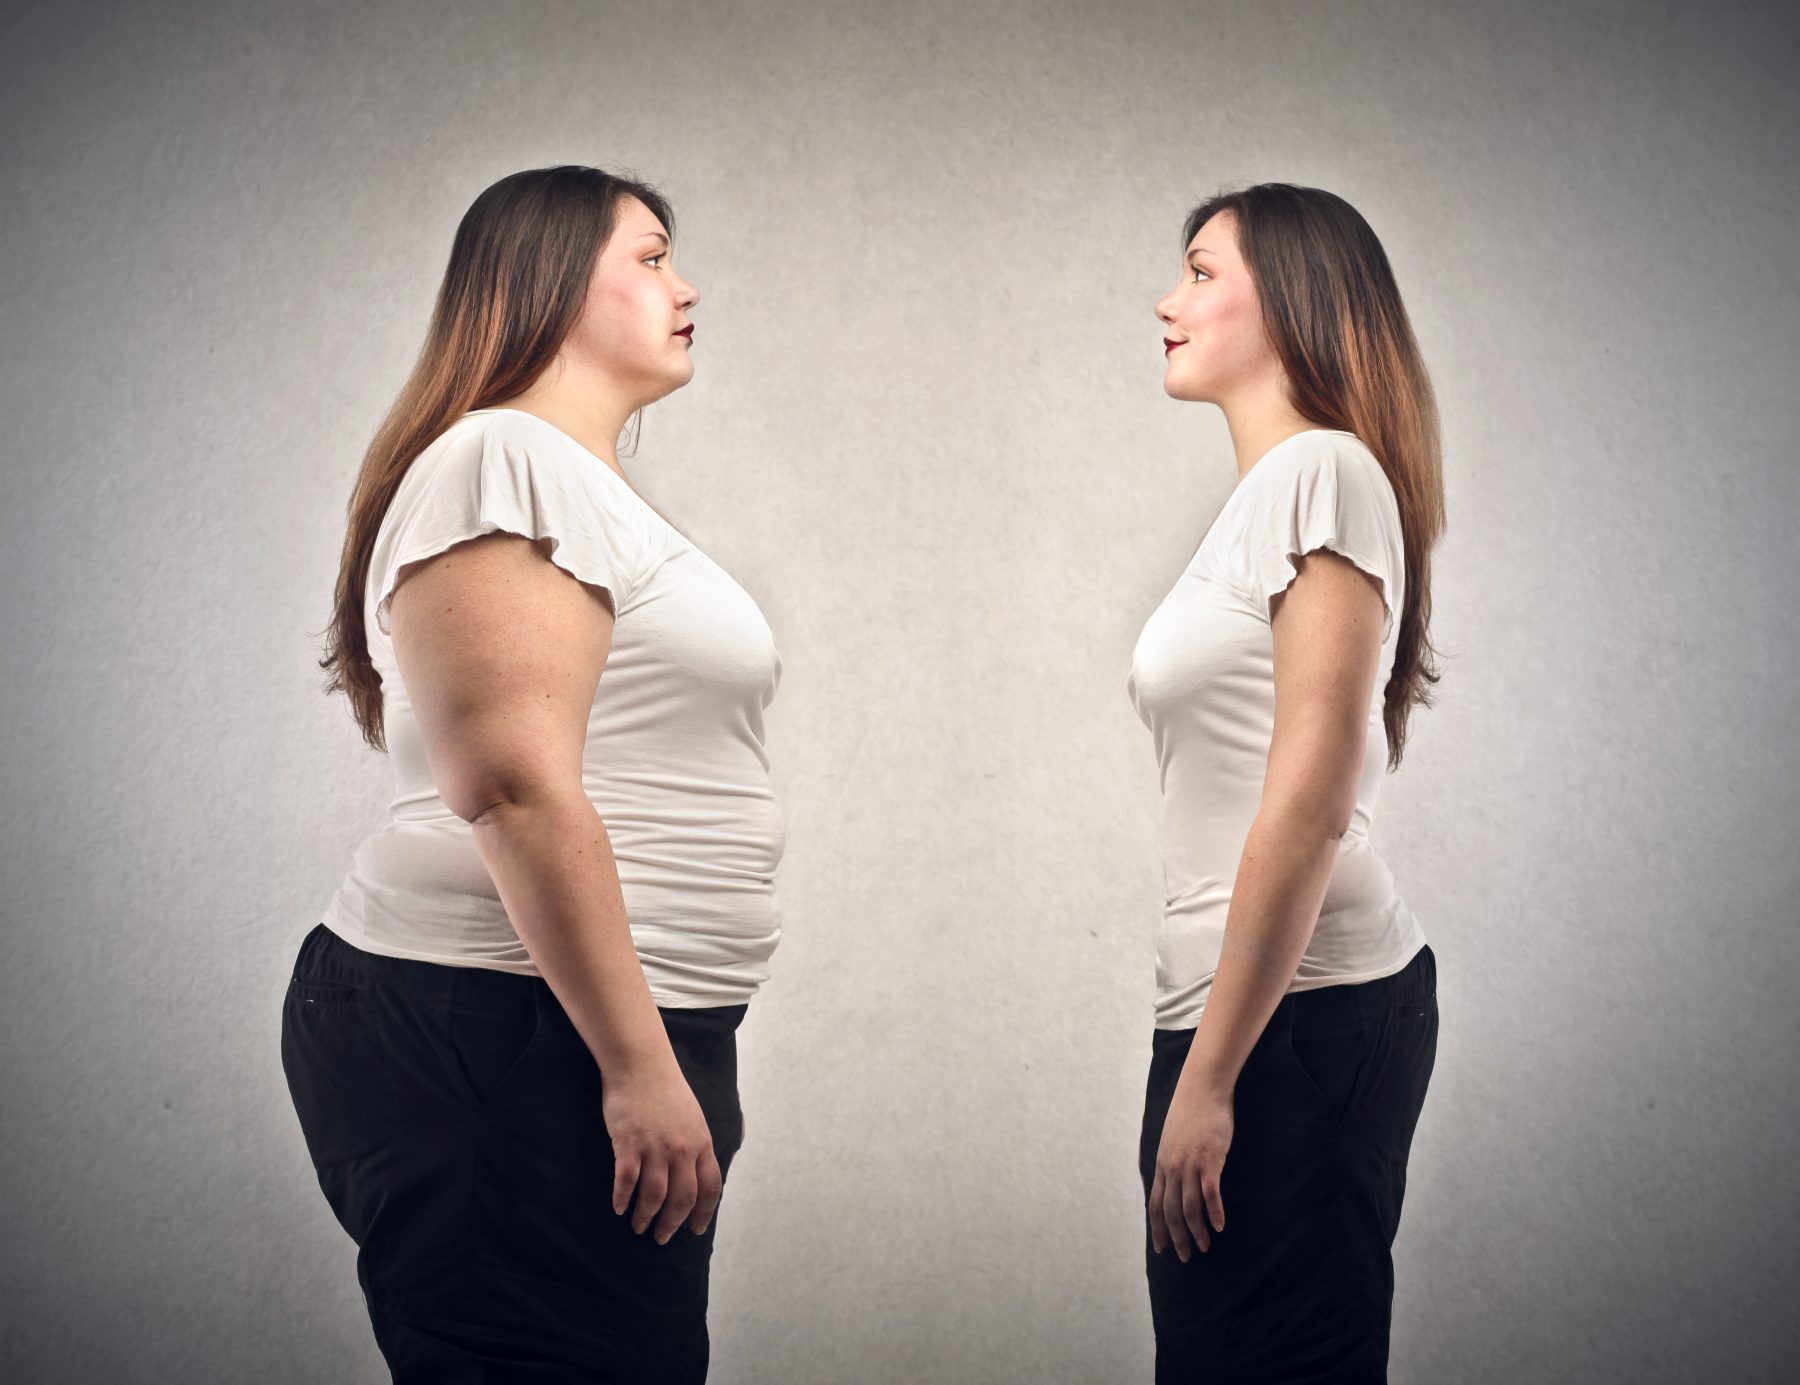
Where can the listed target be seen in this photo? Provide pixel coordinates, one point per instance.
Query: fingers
(1215, 1204)
(625, 1177)
(1174, 1220)
(711, 1185)
(653, 1187)
(683, 1189)
(670, 1191)
(1190, 1212)
(1185, 1209)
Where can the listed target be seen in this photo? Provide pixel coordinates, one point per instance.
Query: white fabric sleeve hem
(1328, 501)
(569, 558)
(1280, 566)
(500, 479)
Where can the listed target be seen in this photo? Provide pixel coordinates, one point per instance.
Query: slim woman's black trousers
(1299, 1286)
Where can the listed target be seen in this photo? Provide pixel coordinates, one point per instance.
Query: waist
(1199, 878)
(326, 956)
(436, 856)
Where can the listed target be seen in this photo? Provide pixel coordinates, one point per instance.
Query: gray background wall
(927, 432)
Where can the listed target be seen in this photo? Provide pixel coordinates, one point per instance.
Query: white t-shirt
(674, 760)
(1203, 679)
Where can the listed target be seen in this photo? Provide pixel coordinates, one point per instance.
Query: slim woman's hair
(1334, 315)
(518, 274)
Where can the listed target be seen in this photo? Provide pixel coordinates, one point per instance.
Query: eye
(657, 256)
(1199, 273)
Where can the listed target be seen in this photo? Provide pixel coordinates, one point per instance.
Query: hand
(661, 1146)
(1196, 1135)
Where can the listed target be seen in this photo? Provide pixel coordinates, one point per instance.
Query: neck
(1259, 423)
(587, 410)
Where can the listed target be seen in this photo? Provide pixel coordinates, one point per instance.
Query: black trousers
(453, 1116)
(1299, 1286)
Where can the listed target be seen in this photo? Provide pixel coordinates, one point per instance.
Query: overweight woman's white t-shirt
(674, 760)
(1203, 680)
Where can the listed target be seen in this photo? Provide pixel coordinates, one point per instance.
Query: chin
(669, 385)
(1187, 394)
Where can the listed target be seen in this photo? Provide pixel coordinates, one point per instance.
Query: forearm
(552, 863)
(1281, 881)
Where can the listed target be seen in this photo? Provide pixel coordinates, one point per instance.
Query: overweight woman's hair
(1334, 315)
(518, 274)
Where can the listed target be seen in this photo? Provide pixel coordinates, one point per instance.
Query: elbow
(1311, 817)
(486, 811)
(489, 802)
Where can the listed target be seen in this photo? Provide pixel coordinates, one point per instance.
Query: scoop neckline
(588, 451)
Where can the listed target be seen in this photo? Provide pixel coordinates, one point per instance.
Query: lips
(687, 331)
(1169, 346)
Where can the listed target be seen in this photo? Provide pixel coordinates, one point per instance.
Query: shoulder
(509, 457)
(511, 472)
(1320, 489)
(508, 439)
(1322, 472)
(1318, 453)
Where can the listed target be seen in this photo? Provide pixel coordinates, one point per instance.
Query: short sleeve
(512, 479)
(1324, 496)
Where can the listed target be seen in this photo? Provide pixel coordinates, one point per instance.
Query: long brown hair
(1334, 315)
(518, 274)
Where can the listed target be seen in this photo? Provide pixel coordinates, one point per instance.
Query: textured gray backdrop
(927, 433)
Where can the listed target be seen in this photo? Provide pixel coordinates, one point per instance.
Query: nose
(688, 295)
(1165, 309)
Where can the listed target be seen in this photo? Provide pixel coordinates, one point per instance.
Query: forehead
(636, 220)
(1217, 236)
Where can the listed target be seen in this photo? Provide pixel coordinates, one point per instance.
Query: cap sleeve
(1325, 497)
(496, 480)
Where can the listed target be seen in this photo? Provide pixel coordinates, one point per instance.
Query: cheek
(633, 318)
(1227, 327)
(624, 302)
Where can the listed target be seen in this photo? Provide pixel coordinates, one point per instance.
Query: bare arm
(1326, 628)
(502, 652)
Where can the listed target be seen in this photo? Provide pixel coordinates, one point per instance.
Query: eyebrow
(1201, 250)
(658, 234)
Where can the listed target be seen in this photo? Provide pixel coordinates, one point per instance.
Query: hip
(381, 1050)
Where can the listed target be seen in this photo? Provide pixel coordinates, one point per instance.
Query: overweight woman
(1296, 997)
(511, 1041)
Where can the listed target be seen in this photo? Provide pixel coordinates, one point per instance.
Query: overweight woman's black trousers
(1299, 1286)
(453, 1116)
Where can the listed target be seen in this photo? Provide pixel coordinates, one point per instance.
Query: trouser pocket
(338, 1072)
(1327, 1044)
(491, 1026)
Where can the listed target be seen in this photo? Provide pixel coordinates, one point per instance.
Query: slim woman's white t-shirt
(1203, 680)
(674, 761)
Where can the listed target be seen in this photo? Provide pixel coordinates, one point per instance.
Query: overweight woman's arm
(1326, 628)
(501, 652)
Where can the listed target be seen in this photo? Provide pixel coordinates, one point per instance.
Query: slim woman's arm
(1326, 628)
(501, 652)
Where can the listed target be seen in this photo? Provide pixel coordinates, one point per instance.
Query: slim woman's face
(1215, 321)
(634, 324)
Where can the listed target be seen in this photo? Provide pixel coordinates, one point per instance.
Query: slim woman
(511, 1041)
(1296, 1010)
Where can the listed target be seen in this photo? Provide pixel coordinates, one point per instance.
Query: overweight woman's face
(636, 309)
(1214, 318)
